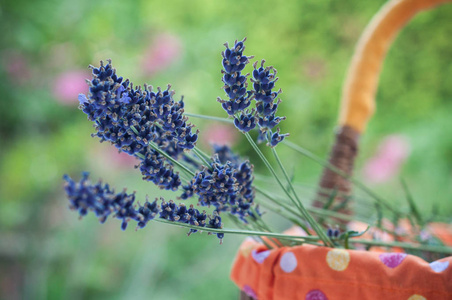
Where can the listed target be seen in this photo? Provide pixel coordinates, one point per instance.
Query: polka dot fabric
(318, 273)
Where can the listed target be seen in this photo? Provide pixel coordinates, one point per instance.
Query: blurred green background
(46, 46)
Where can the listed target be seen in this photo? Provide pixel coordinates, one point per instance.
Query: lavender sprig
(226, 184)
(264, 79)
(130, 118)
(235, 86)
(103, 201)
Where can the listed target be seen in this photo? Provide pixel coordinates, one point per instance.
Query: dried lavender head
(226, 184)
(100, 199)
(263, 79)
(132, 117)
(84, 197)
(235, 85)
(246, 121)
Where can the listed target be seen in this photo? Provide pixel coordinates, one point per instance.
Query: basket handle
(358, 96)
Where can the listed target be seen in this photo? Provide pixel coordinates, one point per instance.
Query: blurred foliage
(45, 253)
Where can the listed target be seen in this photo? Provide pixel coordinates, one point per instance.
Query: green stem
(316, 159)
(177, 163)
(411, 203)
(312, 239)
(306, 239)
(430, 248)
(193, 157)
(240, 226)
(283, 213)
(317, 228)
(134, 130)
(270, 168)
(312, 210)
(202, 153)
(201, 156)
(139, 155)
(157, 148)
(220, 119)
(333, 214)
(336, 170)
(263, 241)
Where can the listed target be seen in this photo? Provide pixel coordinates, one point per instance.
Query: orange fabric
(318, 273)
(442, 231)
(358, 103)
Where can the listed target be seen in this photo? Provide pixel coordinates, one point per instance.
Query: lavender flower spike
(246, 121)
(131, 117)
(235, 83)
(264, 79)
(226, 185)
(85, 197)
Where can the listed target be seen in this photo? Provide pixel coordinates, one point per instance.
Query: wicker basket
(311, 272)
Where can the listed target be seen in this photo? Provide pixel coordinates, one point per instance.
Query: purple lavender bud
(131, 117)
(82, 99)
(246, 121)
(269, 121)
(235, 83)
(226, 185)
(276, 138)
(147, 212)
(84, 197)
(215, 222)
(333, 233)
(225, 154)
(329, 232)
(266, 109)
(264, 79)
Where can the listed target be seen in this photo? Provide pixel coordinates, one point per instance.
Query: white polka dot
(439, 266)
(288, 262)
(259, 257)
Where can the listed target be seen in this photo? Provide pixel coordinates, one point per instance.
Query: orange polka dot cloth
(319, 273)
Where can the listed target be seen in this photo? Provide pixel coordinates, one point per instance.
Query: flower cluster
(235, 86)
(133, 117)
(151, 126)
(226, 184)
(103, 201)
(333, 233)
(225, 154)
(235, 83)
(264, 79)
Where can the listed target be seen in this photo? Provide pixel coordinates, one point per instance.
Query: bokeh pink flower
(219, 134)
(164, 50)
(68, 85)
(111, 157)
(16, 66)
(392, 153)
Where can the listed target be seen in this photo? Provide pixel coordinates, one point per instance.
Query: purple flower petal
(82, 99)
